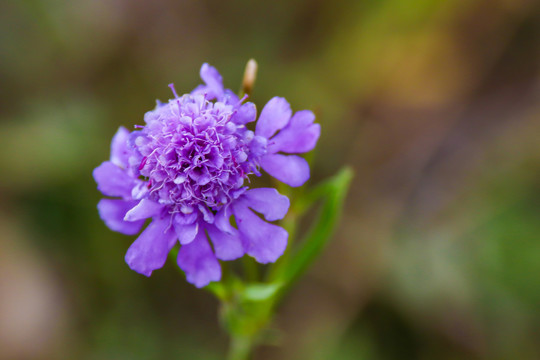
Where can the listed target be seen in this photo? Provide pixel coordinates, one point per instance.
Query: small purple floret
(186, 170)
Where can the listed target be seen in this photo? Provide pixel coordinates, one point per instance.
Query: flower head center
(193, 154)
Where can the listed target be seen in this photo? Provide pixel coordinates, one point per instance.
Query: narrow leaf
(260, 291)
(332, 193)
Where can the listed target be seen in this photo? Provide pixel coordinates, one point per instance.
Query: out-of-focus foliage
(435, 104)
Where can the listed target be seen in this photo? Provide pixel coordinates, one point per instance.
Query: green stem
(241, 347)
(250, 268)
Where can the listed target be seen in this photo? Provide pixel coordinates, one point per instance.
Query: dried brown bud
(250, 74)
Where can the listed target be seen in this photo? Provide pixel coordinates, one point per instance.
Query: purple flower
(185, 170)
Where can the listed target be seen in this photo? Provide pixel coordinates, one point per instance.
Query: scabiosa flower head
(186, 169)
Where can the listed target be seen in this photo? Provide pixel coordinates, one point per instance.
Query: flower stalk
(248, 308)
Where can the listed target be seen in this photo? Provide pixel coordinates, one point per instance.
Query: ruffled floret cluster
(186, 169)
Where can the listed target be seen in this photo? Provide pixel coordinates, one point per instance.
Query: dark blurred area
(435, 104)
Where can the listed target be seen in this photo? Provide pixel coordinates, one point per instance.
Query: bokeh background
(435, 104)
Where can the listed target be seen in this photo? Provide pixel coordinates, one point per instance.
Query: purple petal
(227, 246)
(120, 151)
(258, 146)
(185, 219)
(112, 212)
(263, 241)
(199, 262)
(274, 116)
(268, 202)
(245, 114)
(292, 170)
(208, 216)
(299, 136)
(113, 181)
(221, 220)
(150, 250)
(213, 80)
(155, 114)
(230, 98)
(186, 232)
(144, 209)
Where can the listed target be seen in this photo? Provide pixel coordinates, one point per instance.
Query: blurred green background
(435, 104)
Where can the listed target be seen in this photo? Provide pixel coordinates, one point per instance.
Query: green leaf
(260, 291)
(332, 193)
